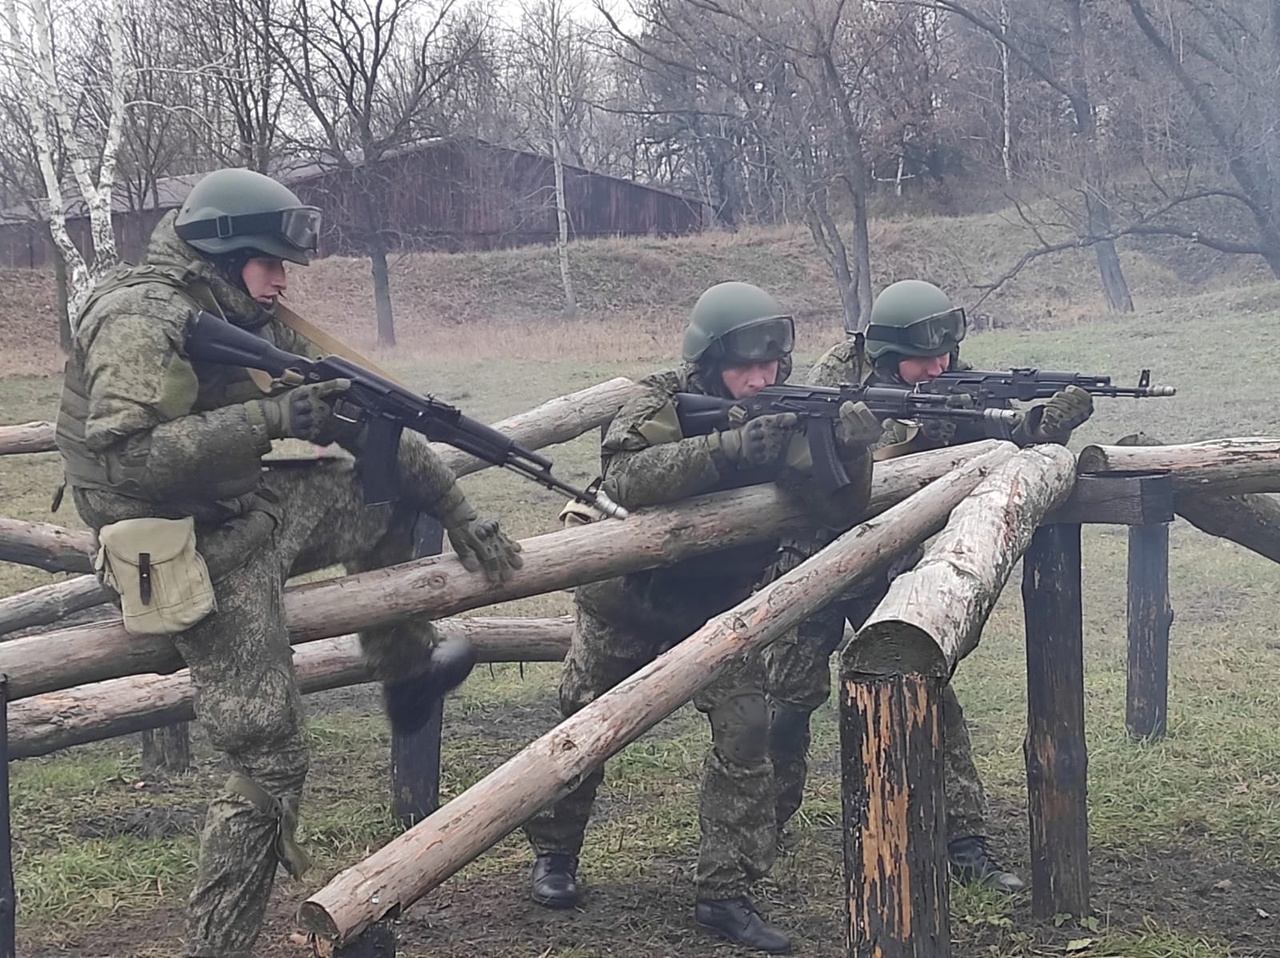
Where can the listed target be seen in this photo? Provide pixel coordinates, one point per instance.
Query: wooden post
(1150, 616)
(415, 759)
(895, 860)
(8, 895)
(167, 750)
(376, 941)
(1057, 761)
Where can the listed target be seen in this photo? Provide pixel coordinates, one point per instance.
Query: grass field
(1184, 833)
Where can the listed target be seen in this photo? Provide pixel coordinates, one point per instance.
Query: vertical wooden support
(376, 941)
(1150, 616)
(894, 821)
(415, 759)
(8, 896)
(167, 749)
(1057, 762)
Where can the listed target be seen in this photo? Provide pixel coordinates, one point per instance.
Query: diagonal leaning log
(406, 868)
(439, 586)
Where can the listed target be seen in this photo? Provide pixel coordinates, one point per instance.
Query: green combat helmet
(914, 318)
(737, 323)
(232, 210)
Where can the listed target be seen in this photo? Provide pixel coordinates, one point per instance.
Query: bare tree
(372, 76)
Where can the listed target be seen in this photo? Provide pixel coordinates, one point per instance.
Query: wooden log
(1150, 616)
(1224, 466)
(895, 842)
(1056, 756)
(51, 603)
(932, 616)
(1117, 500)
(440, 586)
(46, 723)
(393, 878)
(1252, 520)
(45, 546)
(26, 437)
(8, 893)
(167, 750)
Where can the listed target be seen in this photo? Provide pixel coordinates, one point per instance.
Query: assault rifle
(818, 410)
(1026, 384)
(386, 408)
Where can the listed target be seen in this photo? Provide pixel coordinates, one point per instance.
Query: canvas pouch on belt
(153, 565)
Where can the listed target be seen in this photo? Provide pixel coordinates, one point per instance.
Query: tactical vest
(217, 387)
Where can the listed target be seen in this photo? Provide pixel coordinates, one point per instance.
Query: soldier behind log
(914, 336)
(738, 341)
(157, 448)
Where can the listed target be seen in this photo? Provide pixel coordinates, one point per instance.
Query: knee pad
(740, 728)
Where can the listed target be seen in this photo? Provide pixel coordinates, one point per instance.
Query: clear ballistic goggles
(760, 342)
(938, 333)
(299, 227)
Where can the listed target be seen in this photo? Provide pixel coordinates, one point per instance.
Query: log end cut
(894, 647)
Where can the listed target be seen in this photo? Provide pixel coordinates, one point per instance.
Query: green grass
(1200, 807)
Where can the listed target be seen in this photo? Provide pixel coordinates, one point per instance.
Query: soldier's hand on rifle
(857, 425)
(303, 412)
(1067, 410)
(479, 543)
(761, 441)
(942, 431)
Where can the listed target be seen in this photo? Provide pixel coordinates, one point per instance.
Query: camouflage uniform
(798, 668)
(623, 623)
(144, 432)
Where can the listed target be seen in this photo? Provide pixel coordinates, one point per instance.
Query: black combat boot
(972, 863)
(737, 920)
(409, 702)
(555, 881)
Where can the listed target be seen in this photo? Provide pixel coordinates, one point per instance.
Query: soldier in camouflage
(146, 434)
(913, 337)
(738, 341)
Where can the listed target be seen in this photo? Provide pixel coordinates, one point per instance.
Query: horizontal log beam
(45, 546)
(1117, 500)
(51, 603)
(439, 586)
(26, 437)
(396, 876)
(1225, 466)
(91, 713)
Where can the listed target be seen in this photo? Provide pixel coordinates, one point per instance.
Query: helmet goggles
(298, 227)
(763, 341)
(932, 335)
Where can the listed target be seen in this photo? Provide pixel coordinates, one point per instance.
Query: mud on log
(45, 723)
(439, 586)
(892, 675)
(409, 866)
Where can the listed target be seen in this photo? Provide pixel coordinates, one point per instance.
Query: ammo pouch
(153, 565)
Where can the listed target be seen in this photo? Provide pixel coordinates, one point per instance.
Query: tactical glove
(1055, 420)
(761, 441)
(304, 412)
(479, 543)
(941, 431)
(857, 425)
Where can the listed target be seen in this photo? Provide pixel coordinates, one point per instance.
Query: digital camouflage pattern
(623, 623)
(798, 667)
(143, 432)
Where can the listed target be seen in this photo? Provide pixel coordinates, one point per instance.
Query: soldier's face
(922, 369)
(264, 278)
(745, 380)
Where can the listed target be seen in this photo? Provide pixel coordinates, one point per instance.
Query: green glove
(761, 441)
(1066, 411)
(941, 431)
(857, 425)
(479, 543)
(304, 412)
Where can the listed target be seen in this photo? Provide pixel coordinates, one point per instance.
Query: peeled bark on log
(90, 713)
(1250, 519)
(1223, 466)
(50, 603)
(439, 586)
(399, 874)
(45, 546)
(26, 437)
(933, 615)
